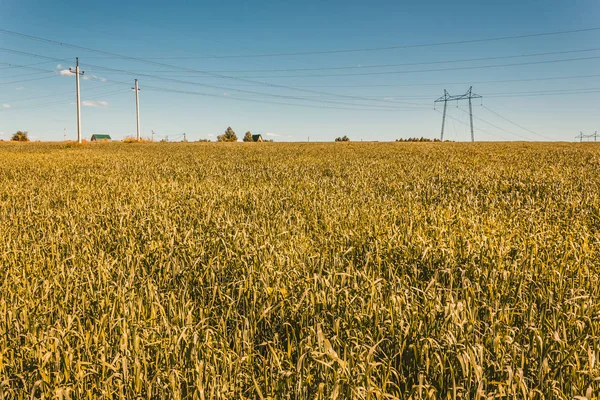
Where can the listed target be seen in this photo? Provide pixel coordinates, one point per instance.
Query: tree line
(230, 136)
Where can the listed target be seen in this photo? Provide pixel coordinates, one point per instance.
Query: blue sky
(173, 43)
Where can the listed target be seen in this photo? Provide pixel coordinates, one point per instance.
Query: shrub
(20, 136)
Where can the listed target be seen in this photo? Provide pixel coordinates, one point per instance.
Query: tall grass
(299, 271)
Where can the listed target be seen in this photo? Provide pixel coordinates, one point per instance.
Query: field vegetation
(299, 271)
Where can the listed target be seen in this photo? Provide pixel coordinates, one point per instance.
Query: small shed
(98, 137)
(257, 138)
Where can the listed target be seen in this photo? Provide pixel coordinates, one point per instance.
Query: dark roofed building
(98, 137)
(257, 138)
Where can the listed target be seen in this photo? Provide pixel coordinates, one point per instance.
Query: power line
(451, 83)
(397, 65)
(544, 94)
(504, 94)
(153, 88)
(96, 97)
(373, 73)
(266, 94)
(211, 86)
(59, 94)
(499, 128)
(557, 91)
(463, 123)
(425, 70)
(196, 83)
(515, 124)
(337, 51)
(12, 65)
(25, 53)
(26, 80)
(38, 72)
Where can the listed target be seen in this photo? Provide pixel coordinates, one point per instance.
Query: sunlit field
(299, 271)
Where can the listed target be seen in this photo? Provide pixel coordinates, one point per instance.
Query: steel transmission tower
(467, 96)
(582, 136)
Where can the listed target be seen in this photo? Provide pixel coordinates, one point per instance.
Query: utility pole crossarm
(466, 96)
(445, 97)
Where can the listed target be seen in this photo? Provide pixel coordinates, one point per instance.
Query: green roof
(100, 137)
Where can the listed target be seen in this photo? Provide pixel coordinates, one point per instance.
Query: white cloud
(64, 72)
(388, 98)
(210, 135)
(20, 88)
(86, 77)
(277, 135)
(91, 103)
(6, 105)
(58, 66)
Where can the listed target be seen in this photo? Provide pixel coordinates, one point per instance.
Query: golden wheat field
(299, 271)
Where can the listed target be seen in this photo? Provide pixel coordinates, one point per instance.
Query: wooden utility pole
(77, 74)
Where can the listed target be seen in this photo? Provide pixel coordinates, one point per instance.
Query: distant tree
(342, 139)
(204, 140)
(421, 139)
(228, 136)
(248, 137)
(20, 136)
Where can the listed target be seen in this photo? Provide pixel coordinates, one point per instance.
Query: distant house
(97, 137)
(257, 138)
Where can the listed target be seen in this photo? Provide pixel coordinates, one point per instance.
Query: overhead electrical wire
(397, 65)
(205, 85)
(495, 126)
(388, 102)
(498, 94)
(268, 94)
(515, 124)
(354, 106)
(479, 129)
(37, 72)
(245, 79)
(167, 90)
(13, 65)
(544, 94)
(287, 97)
(451, 83)
(28, 80)
(414, 71)
(338, 51)
(277, 85)
(227, 97)
(107, 94)
(62, 93)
